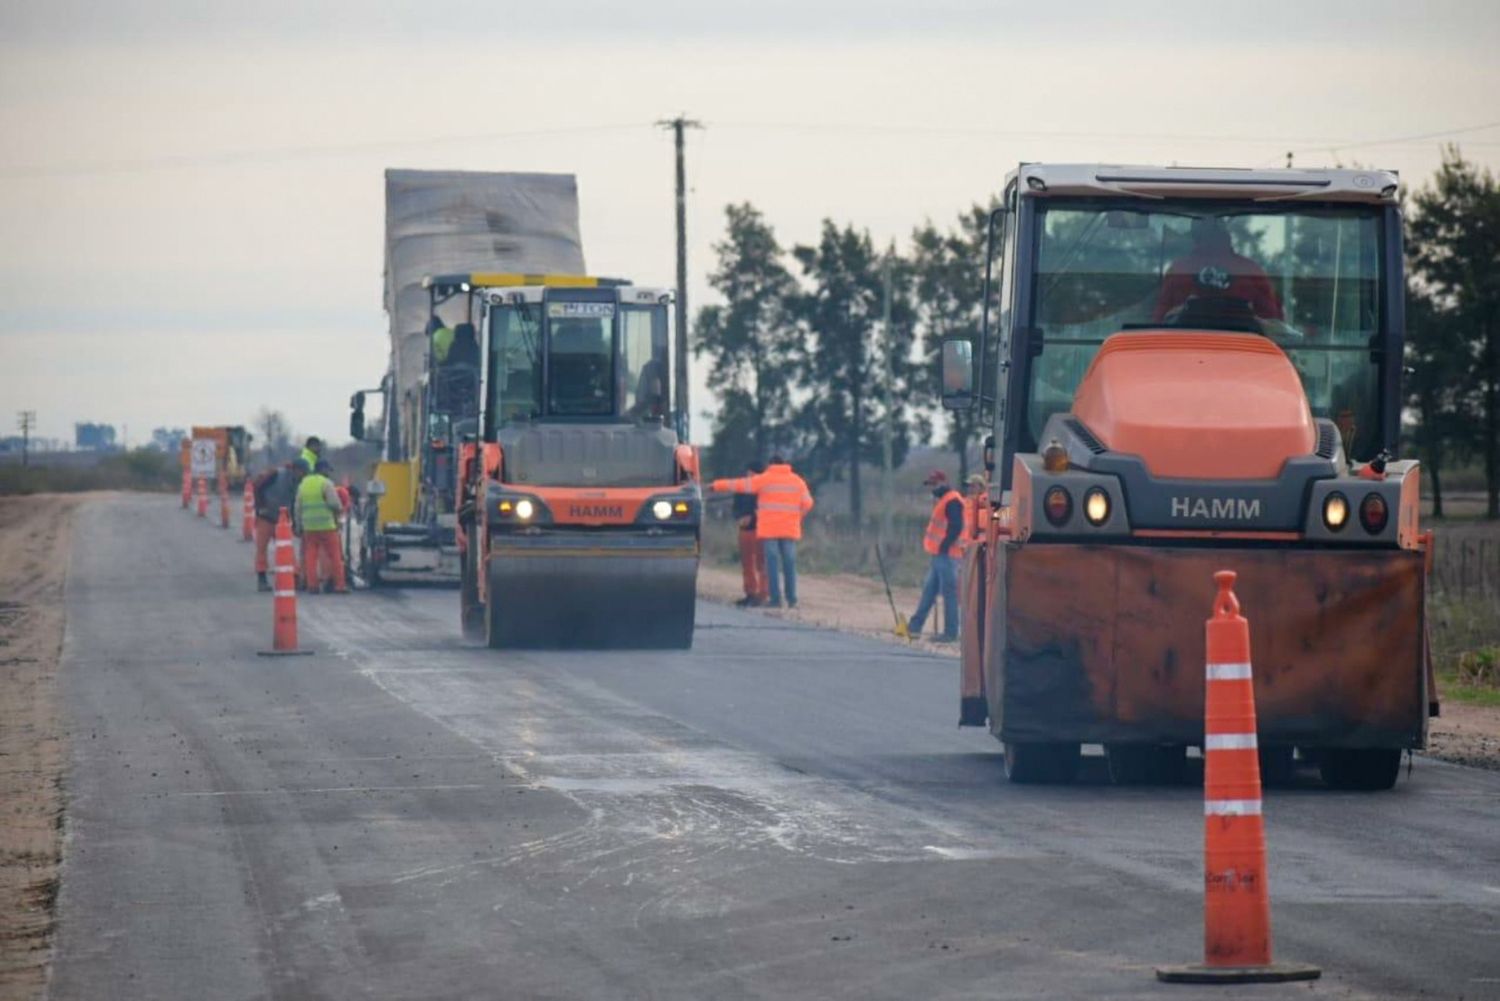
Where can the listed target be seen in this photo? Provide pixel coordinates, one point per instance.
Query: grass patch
(1466, 648)
(140, 469)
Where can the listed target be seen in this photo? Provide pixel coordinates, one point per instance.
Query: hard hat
(934, 478)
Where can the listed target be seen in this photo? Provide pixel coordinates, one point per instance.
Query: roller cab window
(1307, 278)
(580, 359)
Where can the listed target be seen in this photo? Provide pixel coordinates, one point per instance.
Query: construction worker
(312, 451)
(752, 553)
(782, 500)
(944, 540)
(1211, 272)
(978, 496)
(318, 513)
(463, 347)
(274, 489)
(441, 336)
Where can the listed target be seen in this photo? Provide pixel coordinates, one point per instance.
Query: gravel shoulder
(34, 538)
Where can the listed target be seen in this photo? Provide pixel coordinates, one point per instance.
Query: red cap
(934, 478)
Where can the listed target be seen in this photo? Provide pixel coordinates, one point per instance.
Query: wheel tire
(1146, 764)
(1278, 765)
(1041, 764)
(1360, 769)
(470, 611)
(496, 632)
(677, 634)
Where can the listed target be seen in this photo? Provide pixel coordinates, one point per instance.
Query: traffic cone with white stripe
(1236, 902)
(284, 594)
(202, 497)
(247, 522)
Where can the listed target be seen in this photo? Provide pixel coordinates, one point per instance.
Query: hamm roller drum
(605, 590)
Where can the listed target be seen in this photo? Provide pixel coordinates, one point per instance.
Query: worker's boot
(261, 584)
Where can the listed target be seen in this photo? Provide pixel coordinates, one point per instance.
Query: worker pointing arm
(781, 501)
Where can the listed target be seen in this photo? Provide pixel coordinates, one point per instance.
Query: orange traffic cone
(247, 523)
(1236, 903)
(202, 497)
(284, 594)
(187, 487)
(223, 501)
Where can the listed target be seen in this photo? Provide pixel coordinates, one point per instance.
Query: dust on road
(33, 560)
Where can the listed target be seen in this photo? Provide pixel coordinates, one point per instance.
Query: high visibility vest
(937, 526)
(781, 500)
(317, 516)
(442, 341)
(310, 457)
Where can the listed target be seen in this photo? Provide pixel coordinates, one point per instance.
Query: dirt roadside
(1464, 734)
(34, 535)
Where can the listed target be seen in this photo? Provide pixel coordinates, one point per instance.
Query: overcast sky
(191, 193)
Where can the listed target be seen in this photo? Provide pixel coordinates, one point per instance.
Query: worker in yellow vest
(945, 540)
(312, 451)
(317, 519)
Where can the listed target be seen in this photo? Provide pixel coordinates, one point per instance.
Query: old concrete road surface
(780, 813)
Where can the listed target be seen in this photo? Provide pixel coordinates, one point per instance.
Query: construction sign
(204, 458)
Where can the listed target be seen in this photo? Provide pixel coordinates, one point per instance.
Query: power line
(232, 157)
(1441, 134)
(1298, 144)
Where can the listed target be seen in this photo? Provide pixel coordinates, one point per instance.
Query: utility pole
(888, 486)
(678, 126)
(25, 420)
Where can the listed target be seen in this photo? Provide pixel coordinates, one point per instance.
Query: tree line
(814, 346)
(797, 348)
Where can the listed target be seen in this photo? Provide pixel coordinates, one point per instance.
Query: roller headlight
(1096, 506)
(1373, 513)
(1058, 505)
(525, 509)
(661, 510)
(1335, 511)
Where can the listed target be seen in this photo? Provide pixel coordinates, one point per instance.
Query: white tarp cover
(454, 221)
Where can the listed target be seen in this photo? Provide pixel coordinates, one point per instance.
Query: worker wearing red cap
(944, 541)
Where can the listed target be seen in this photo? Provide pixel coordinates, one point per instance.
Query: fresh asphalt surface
(782, 812)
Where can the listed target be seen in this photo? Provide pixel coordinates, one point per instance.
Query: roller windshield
(1308, 279)
(579, 360)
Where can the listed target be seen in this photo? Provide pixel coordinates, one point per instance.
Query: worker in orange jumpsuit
(274, 489)
(752, 553)
(1213, 271)
(782, 500)
(318, 514)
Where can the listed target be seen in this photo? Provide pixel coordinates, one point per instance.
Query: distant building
(167, 439)
(94, 437)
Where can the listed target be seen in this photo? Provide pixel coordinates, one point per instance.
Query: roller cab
(581, 514)
(1194, 370)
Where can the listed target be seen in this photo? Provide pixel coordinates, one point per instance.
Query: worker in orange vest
(944, 540)
(782, 500)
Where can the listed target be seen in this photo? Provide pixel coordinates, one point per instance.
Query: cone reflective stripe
(202, 497)
(284, 593)
(247, 523)
(1236, 900)
(187, 487)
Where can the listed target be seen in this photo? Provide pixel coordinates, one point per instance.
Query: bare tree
(275, 432)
